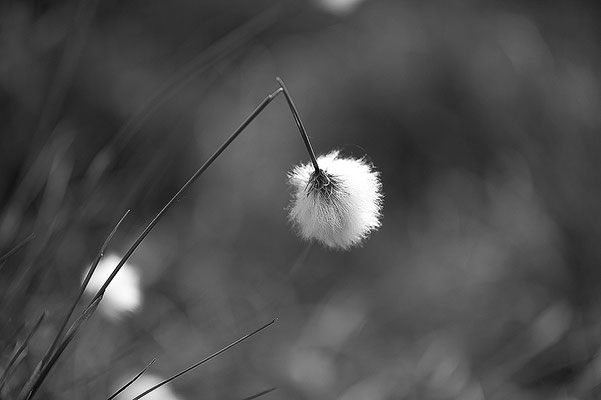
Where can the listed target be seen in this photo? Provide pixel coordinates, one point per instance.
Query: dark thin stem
(40, 374)
(17, 247)
(32, 385)
(263, 393)
(190, 181)
(82, 289)
(135, 378)
(50, 352)
(96, 374)
(229, 346)
(299, 123)
(15, 357)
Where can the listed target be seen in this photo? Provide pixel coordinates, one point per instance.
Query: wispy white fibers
(144, 383)
(338, 207)
(123, 295)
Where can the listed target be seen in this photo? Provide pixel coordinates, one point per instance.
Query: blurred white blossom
(338, 206)
(123, 295)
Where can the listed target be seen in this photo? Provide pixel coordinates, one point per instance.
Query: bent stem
(36, 380)
(299, 124)
(16, 248)
(135, 378)
(14, 359)
(83, 288)
(28, 393)
(263, 393)
(32, 382)
(31, 387)
(190, 181)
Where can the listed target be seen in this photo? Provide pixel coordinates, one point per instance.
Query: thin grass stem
(263, 393)
(13, 360)
(135, 378)
(190, 181)
(32, 385)
(224, 349)
(83, 287)
(42, 370)
(17, 247)
(50, 351)
(39, 375)
(96, 374)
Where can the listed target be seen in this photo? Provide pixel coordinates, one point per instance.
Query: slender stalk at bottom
(31, 387)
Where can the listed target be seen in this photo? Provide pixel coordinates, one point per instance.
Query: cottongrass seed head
(339, 206)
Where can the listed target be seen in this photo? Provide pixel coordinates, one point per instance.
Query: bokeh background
(483, 118)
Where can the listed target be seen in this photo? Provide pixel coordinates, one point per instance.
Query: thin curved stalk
(190, 368)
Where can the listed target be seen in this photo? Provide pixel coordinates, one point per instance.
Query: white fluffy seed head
(339, 206)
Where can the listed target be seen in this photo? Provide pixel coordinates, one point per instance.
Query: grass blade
(132, 380)
(13, 361)
(190, 181)
(82, 288)
(224, 349)
(78, 381)
(42, 370)
(51, 349)
(32, 386)
(256, 396)
(16, 248)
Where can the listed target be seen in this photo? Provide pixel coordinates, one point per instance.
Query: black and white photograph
(300, 200)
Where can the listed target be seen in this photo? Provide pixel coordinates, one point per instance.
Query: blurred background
(483, 118)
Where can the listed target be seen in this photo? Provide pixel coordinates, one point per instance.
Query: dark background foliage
(483, 118)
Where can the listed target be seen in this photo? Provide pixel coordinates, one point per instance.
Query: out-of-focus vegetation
(483, 118)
